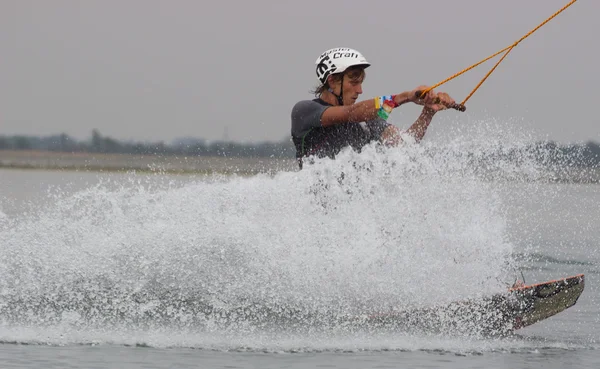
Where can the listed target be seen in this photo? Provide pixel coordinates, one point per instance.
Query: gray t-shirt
(306, 114)
(309, 135)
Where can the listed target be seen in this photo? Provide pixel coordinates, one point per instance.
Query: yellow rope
(465, 70)
(507, 49)
(488, 74)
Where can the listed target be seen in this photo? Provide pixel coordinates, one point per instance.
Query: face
(352, 87)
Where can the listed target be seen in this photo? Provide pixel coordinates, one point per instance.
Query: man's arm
(419, 127)
(391, 134)
(359, 112)
(368, 110)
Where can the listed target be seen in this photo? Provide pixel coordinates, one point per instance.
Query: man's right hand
(434, 100)
(428, 99)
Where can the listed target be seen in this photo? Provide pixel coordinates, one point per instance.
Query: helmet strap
(340, 97)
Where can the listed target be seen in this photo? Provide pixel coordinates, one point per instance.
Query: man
(334, 120)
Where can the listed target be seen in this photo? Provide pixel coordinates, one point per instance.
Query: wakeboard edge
(499, 313)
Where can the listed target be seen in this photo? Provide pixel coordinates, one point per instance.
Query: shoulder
(307, 105)
(306, 114)
(307, 108)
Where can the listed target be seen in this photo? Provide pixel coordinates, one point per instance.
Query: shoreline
(99, 162)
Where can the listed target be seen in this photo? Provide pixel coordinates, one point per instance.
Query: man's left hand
(442, 101)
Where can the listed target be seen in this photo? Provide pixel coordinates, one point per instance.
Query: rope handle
(506, 50)
(459, 107)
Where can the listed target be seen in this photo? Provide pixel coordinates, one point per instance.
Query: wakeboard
(540, 301)
(499, 314)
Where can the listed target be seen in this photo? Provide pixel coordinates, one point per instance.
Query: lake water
(123, 270)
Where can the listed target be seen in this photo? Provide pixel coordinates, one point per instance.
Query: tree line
(587, 154)
(188, 146)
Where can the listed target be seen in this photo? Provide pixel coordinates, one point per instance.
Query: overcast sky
(159, 70)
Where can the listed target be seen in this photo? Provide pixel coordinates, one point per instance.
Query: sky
(149, 70)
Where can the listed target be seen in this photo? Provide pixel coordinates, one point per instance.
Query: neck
(329, 98)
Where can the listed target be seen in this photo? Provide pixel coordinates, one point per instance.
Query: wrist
(385, 105)
(401, 98)
(428, 111)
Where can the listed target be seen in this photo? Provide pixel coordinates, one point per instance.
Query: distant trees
(188, 146)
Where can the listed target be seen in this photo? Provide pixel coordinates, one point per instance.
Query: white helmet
(337, 61)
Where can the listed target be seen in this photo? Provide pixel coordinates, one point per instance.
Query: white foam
(415, 225)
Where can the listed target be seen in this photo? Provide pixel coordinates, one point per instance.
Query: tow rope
(506, 51)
